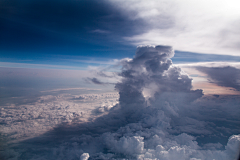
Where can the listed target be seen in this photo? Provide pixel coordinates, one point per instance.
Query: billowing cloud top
(159, 116)
(153, 50)
(151, 73)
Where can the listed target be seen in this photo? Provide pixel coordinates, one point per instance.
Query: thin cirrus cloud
(196, 26)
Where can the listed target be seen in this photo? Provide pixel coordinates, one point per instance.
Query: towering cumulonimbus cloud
(159, 116)
(154, 99)
(149, 76)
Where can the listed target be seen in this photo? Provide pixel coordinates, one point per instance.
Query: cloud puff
(84, 156)
(159, 116)
(126, 145)
(152, 68)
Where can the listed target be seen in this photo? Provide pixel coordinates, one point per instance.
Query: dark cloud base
(226, 76)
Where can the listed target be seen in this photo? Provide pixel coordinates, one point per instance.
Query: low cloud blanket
(159, 116)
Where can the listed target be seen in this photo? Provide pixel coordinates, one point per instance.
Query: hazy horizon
(119, 79)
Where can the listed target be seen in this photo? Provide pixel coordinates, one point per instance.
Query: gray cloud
(95, 81)
(159, 116)
(102, 74)
(223, 76)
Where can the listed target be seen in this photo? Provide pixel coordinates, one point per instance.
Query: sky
(119, 79)
(61, 32)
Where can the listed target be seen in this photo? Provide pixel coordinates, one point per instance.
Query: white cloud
(84, 156)
(173, 122)
(209, 64)
(126, 145)
(26, 121)
(188, 25)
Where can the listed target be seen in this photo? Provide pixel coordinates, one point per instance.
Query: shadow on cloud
(226, 76)
(158, 116)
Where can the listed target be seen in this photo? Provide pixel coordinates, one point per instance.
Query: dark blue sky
(35, 29)
(58, 31)
(63, 91)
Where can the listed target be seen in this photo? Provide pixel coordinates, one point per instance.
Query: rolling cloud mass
(156, 114)
(100, 80)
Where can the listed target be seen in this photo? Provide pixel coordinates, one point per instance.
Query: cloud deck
(158, 116)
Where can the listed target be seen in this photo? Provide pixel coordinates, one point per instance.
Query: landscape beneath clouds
(147, 109)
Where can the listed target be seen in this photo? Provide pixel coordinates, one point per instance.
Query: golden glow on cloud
(200, 81)
(211, 88)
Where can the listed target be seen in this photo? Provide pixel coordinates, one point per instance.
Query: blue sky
(51, 31)
(114, 79)
(60, 32)
(96, 35)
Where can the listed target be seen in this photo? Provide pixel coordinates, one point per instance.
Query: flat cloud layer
(30, 120)
(158, 116)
